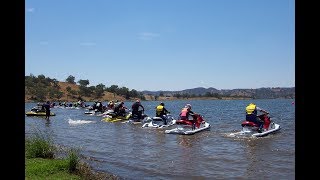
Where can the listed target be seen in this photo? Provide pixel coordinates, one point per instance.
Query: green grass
(41, 163)
(73, 160)
(40, 168)
(39, 147)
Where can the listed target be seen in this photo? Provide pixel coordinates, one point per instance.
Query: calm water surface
(132, 152)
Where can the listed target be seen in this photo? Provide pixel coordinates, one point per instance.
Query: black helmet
(162, 103)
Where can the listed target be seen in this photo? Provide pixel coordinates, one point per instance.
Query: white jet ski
(158, 122)
(252, 129)
(188, 127)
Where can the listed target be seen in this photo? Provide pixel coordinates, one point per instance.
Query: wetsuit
(135, 109)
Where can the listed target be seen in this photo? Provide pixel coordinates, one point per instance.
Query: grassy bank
(41, 162)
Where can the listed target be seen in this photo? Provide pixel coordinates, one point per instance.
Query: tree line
(41, 88)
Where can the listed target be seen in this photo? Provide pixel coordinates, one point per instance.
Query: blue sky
(163, 44)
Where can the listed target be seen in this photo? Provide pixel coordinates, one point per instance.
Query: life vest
(251, 108)
(159, 109)
(184, 112)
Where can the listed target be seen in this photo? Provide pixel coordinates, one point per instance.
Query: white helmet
(188, 106)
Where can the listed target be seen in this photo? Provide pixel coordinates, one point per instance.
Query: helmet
(162, 103)
(188, 106)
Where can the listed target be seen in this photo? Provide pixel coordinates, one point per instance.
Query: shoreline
(160, 99)
(84, 169)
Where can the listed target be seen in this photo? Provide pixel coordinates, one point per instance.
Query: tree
(99, 90)
(113, 88)
(83, 83)
(71, 79)
(83, 89)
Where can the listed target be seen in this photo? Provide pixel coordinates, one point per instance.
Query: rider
(251, 115)
(135, 109)
(99, 106)
(186, 112)
(47, 109)
(110, 105)
(119, 109)
(161, 111)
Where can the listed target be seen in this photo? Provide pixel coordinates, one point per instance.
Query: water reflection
(256, 155)
(186, 141)
(47, 122)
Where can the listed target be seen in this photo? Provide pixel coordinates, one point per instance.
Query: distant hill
(196, 91)
(260, 93)
(44, 88)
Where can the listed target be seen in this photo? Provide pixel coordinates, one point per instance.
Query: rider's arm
(262, 110)
(191, 113)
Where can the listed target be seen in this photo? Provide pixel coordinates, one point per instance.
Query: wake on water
(77, 122)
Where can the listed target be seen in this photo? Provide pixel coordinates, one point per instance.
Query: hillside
(63, 88)
(41, 89)
(205, 93)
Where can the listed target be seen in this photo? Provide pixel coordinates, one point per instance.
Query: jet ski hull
(187, 130)
(32, 113)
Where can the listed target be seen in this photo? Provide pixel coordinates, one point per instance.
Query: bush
(38, 146)
(73, 159)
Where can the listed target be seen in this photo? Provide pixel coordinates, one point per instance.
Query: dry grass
(63, 88)
(110, 96)
(86, 172)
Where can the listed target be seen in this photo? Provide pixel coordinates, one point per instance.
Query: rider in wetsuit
(135, 109)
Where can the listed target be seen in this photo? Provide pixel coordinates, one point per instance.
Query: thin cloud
(148, 35)
(87, 44)
(204, 84)
(31, 10)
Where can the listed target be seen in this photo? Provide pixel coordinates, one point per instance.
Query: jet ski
(99, 113)
(38, 112)
(112, 117)
(91, 112)
(188, 127)
(134, 119)
(106, 112)
(252, 129)
(158, 122)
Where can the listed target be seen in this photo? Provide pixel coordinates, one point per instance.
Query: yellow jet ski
(38, 112)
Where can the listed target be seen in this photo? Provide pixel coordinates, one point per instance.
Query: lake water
(132, 152)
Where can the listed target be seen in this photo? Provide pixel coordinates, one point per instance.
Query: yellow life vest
(250, 108)
(159, 109)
